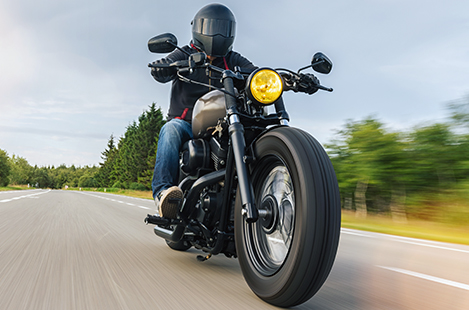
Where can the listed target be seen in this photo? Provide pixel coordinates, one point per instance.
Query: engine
(200, 154)
(198, 157)
(205, 152)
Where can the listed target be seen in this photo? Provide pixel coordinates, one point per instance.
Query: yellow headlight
(266, 86)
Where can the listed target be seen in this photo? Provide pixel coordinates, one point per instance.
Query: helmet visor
(212, 27)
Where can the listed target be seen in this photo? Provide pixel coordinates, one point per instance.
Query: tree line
(126, 163)
(404, 173)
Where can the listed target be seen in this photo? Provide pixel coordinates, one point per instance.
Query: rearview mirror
(321, 63)
(163, 43)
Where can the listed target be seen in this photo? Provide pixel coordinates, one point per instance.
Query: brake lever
(312, 84)
(329, 89)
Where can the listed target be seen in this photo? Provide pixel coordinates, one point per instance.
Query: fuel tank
(207, 110)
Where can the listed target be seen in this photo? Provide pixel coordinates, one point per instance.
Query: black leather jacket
(184, 95)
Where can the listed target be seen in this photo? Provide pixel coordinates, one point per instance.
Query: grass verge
(413, 228)
(15, 188)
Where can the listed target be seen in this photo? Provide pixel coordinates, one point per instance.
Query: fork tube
(236, 130)
(282, 113)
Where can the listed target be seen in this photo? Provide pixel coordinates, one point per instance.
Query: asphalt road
(80, 250)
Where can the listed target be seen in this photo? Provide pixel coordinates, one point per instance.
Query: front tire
(288, 253)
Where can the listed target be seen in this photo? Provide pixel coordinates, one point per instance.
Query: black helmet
(213, 30)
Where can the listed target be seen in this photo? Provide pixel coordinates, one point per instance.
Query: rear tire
(288, 253)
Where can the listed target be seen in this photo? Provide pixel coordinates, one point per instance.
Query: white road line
(102, 194)
(17, 191)
(25, 196)
(427, 277)
(118, 201)
(402, 239)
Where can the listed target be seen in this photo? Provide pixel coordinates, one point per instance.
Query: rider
(213, 32)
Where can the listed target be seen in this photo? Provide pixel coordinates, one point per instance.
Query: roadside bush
(121, 185)
(87, 181)
(138, 186)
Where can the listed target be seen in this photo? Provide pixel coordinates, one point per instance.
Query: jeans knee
(175, 130)
(169, 130)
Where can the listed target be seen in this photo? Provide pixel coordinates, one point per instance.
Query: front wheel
(288, 253)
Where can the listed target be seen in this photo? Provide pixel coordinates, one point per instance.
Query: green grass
(428, 230)
(15, 188)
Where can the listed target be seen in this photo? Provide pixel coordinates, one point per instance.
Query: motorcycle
(254, 187)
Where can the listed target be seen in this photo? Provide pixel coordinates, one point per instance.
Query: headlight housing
(264, 86)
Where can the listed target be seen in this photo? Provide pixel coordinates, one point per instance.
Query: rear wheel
(288, 253)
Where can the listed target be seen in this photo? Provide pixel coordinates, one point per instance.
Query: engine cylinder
(195, 155)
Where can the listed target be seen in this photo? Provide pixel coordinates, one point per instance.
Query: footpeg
(201, 258)
(156, 220)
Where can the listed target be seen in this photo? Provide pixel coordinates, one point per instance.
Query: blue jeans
(173, 134)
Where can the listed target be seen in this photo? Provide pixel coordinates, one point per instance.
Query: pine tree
(132, 161)
(103, 176)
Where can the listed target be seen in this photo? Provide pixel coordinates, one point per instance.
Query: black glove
(163, 74)
(307, 83)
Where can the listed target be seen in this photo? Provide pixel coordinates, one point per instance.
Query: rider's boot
(168, 201)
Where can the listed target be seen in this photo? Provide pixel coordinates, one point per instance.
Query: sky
(74, 72)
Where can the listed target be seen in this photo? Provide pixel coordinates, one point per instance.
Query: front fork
(236, 131)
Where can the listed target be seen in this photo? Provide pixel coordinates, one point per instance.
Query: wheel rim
(269, 239)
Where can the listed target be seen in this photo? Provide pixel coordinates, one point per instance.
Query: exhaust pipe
(170, 235)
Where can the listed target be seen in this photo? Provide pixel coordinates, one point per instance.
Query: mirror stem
(175, 45)
(301, 69)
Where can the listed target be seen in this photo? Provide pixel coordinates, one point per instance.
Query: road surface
(82, 250)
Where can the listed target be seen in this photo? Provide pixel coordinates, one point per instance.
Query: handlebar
(187, 66)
